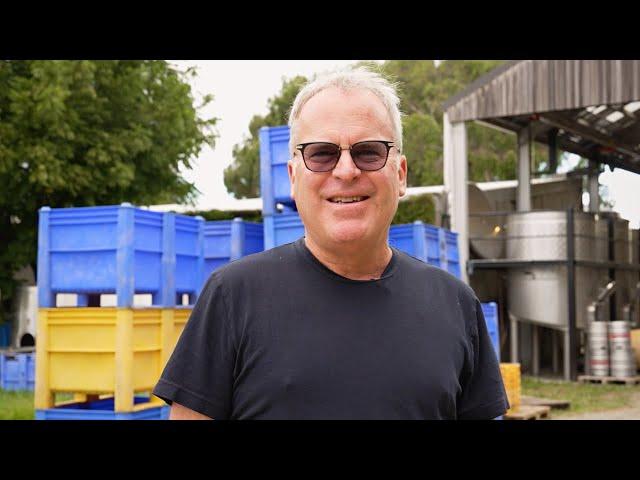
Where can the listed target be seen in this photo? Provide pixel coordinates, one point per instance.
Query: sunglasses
(369, 155)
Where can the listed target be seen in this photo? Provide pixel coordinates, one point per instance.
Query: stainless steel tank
(25, 316)
(542, 235)
(601, 254)
(486, 237)
(621, 240)
(601, 238)
(621, 252)
(634, 246)
(538, 294)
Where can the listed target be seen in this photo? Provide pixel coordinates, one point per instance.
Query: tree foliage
(420, 207)
(78, 133)
(214, 215)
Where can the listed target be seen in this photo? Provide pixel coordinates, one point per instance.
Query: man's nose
(346, 168)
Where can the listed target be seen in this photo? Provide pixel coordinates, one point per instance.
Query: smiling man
(337, 325)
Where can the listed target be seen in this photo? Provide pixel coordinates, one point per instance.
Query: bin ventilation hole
(27, 340)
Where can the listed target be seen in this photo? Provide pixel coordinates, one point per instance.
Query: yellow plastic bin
(511, 378)
(181, 315)
(635, 344)
(96, 351)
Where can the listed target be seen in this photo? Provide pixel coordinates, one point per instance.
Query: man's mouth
(347, 199)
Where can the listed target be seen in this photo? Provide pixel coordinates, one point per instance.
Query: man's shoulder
(417, 270)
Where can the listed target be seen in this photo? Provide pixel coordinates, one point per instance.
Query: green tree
(78, 133)
(420, 207)
(242, 177)
(423, 89)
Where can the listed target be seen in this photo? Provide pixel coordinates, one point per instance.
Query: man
(337, 325)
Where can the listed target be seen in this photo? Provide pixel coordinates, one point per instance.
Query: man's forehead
(335, 108)
(357, 99)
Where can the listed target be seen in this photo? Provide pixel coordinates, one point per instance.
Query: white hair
(351, 79)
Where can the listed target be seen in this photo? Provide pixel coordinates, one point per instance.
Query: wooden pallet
(528, 412)
(619, 380)
(527, 400)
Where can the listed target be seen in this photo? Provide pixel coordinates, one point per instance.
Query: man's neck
(354, 262)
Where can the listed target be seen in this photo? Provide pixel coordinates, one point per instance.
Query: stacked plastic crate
(282, 223)
(490, 313)
(228, 240)
(110, 358)
(17, 370)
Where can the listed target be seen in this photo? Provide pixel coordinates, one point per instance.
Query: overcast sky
(241, 89)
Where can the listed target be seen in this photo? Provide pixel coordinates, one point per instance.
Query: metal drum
(621, 356)
(598, 349)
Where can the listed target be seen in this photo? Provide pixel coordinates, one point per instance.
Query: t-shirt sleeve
(483, 395)
(199, 373)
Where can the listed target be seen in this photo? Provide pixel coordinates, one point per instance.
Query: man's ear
(291, 169)
(402, 174)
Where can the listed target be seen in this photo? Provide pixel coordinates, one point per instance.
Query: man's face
(344, 118)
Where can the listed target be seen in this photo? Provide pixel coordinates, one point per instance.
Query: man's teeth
(346, 199)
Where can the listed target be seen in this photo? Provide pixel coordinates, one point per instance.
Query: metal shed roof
(588, 107)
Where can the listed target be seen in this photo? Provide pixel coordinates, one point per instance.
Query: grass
(584, 397)
(16, 405)
(19, 405)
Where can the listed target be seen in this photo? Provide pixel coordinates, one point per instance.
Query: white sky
(241, 89)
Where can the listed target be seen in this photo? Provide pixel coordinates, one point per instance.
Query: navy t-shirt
(277, 335)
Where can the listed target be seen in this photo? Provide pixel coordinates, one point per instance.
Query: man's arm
(180, 412)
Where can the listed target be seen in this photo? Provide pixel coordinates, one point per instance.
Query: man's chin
(345, 235)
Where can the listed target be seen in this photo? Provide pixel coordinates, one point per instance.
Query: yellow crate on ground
(635, 344)
(181, 315)
(512, 384)
(97, 351)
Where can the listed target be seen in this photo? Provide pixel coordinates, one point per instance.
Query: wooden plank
(549, 402)
(527, 412)
(531, 86)
(609, 380)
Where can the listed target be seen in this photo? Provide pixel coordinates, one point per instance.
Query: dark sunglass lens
(321, 157)
(369, 155)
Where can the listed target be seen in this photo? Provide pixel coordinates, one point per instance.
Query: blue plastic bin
(433, 245)
(189, 256)
(118, 249)
(5, 335)
(274, 178)
(17, 371)
(227, 240)
(102, 409)
(490, 311)
(417, 239)
(282, 228)
(451, 254)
